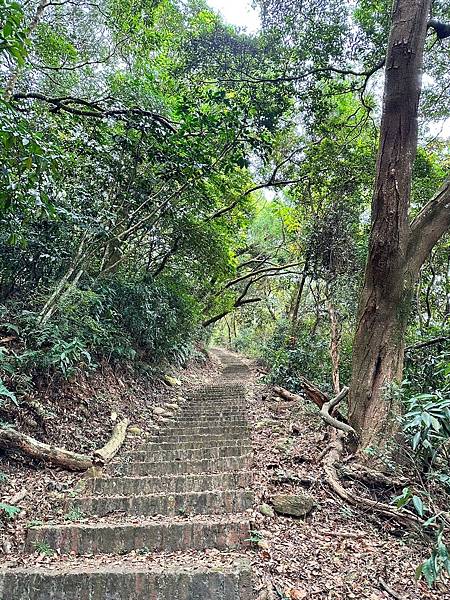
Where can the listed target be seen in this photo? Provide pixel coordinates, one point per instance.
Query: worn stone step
(213, 465)
(239, 400)
(191, 580)
(199, 503)
(223, 429)
(169, 484)
(157, 454)
(168, 534)
(212, 418)
(216, 400)
(224, 395)
(225, 388)
(201, 443)
(240, 411)
(214, 438)
(215, 414)
(213, 410)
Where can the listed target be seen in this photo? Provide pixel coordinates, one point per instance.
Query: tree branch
(428, 227)
(266, 270)
(223, 314)
(93, 109)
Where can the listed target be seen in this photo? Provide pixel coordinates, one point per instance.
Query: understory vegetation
(169, 181)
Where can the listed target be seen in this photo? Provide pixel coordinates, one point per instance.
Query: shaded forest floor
(336, 552)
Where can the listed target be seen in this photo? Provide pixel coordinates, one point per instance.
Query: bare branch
(93, 109)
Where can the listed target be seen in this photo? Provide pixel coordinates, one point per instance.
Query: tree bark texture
(397, 249)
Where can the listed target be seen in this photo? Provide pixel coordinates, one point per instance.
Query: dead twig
(384, 586)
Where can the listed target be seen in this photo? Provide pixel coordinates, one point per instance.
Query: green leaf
(418, 505)
(10, 511)
(7, 393)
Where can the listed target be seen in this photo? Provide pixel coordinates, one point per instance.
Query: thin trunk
(298, 298)
(418, 303)
(335, 341)
(229, 331)
(428, 292)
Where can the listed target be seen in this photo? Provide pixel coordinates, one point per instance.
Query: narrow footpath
(166, 521)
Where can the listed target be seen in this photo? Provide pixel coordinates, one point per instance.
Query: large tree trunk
(384, 301)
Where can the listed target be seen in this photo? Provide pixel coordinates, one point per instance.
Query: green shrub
(117, 320)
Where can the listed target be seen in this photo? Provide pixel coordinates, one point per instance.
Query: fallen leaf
(296, 594)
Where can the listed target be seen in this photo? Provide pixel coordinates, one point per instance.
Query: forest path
(169, 520)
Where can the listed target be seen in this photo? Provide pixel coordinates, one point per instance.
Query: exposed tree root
(11, 439)
(332, 457)
(331, 464)
(326, 409)
(389, 590)
(362, 473)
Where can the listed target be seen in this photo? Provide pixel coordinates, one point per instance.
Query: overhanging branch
(86, 108)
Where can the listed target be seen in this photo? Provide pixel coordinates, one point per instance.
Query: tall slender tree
(397, 247)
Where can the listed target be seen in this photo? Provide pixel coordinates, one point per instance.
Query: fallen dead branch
(18, 496)
(10, 439)
(330, 465)
(14, 440)
(310, 390)
(110, 449)
(320, 399)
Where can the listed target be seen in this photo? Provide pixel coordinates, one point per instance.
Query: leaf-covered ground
(337, 551)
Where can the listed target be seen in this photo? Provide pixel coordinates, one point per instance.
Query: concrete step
(223, 439)
(168, 534)
(214, 429)
(157, 454)
(169, 484)
(202, 443)
(192, 580)
(199, 503)
(212, 465)
(218, 419)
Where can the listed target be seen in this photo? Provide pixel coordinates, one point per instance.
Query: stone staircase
(178, 501)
